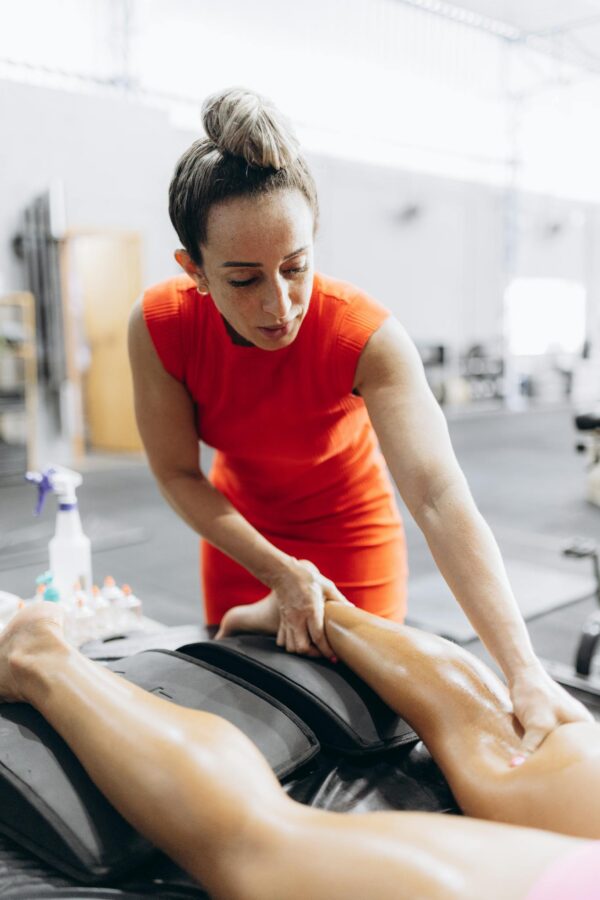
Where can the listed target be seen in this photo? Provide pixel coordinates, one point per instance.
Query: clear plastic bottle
(69, 549)
(79, 623)
(131, 609)
(113, 595)
(78, 595)
(110, 590)
(103, 613)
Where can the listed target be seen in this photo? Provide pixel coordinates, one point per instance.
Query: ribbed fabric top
(296, 453)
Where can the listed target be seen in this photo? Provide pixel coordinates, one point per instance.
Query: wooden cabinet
(101, 278)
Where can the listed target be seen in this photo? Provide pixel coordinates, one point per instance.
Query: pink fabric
(575, 876)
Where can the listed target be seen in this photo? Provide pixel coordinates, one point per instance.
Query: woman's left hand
(541, 705)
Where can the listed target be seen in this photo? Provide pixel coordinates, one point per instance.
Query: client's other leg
(189, 781)
(462, 712)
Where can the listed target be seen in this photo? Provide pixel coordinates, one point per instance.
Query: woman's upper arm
(408, 421)
(164, 409)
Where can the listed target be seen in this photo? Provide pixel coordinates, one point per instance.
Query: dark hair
(250, 150)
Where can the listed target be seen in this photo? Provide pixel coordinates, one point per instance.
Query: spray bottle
(70, 551)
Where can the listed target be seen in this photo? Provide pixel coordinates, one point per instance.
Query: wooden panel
(106, 274)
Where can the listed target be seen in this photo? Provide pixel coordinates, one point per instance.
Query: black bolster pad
(50, 806)
(345, 714)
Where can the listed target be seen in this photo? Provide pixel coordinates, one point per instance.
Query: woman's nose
(277, 303)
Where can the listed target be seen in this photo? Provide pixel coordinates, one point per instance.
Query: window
(544, 315)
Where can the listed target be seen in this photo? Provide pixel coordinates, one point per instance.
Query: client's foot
(32, 633)
(261, 617)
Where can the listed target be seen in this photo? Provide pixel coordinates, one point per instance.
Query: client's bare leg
(462, 712)
(196, 787)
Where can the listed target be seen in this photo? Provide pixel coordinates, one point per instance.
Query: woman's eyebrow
(254, 265)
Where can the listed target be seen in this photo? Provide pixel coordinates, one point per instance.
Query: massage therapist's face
(258, 265)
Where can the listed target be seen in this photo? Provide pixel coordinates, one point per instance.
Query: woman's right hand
(293, 610)
(301, 593)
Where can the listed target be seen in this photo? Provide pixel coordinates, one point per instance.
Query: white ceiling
(574, 24)
(538, 15)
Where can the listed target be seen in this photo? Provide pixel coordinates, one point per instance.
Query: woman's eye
(243, 283)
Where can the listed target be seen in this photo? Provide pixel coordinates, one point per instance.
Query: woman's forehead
(253, 224)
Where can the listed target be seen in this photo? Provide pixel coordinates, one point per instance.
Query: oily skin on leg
(462, 712)
(200, 790)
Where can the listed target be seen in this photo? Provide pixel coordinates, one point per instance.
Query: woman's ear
(195, 272)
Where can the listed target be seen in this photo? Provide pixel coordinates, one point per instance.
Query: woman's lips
(275, 332)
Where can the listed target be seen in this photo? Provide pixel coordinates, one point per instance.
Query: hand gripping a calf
(294, 610)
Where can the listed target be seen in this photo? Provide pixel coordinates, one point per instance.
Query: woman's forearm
(299, 586)
(468, 557)
(210, 514)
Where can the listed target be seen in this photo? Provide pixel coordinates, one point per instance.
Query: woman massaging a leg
(461, 710)
(201, 791)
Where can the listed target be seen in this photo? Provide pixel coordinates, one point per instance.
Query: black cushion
(50, 806)
(345, 714)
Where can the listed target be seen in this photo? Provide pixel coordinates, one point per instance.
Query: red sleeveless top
(296, 453)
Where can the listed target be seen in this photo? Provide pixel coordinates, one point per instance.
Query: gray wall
(441, 271)
(114, 157)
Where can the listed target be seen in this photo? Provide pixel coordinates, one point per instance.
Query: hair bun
(245, 124)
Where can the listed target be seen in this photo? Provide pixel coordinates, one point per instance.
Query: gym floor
(523, 471)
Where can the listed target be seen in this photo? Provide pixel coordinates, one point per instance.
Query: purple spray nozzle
(44, 485)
